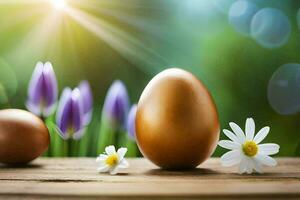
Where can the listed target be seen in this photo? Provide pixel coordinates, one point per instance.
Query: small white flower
(246, 150)
(112, 161)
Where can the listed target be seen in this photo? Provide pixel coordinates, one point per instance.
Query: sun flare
(91, 16)
(59, 4)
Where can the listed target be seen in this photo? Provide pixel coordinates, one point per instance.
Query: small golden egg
(23, 136)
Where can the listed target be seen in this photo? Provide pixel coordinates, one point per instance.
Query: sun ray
(130, 4)
(72, 47)
(129, 47)
(108, 8)
(19, 2)
(145, 25)
(34, 44)
(18, 18)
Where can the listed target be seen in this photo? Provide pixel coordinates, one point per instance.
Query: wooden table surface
(77, 178)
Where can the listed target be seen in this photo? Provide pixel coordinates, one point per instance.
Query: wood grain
(77, 178)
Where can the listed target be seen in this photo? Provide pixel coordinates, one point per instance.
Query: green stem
(130, 144)
(47, 122)
(73, 146)
(121, 139)
(84, 144)
(58, 145)
(132, 149)
(69, 148)
(93, 134)
(107, 136)
(297, 152)
(65, 148)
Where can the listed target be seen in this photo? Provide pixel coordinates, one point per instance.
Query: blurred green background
(132, 40)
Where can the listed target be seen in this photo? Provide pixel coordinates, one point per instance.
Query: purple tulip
(42, 90)
(130, 125)
(87, 97)
(116, 105)
(69, 116)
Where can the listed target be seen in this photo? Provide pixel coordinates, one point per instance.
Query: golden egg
(23, 136)
(177, 124)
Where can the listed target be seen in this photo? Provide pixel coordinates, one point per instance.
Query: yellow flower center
(112, 160)
(250, 148)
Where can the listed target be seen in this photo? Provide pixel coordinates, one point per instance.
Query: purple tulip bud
(69, 116)
(116, 104)
(130, 125)
(87, 98)
(42, 90)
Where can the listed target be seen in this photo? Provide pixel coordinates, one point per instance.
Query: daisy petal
(238, 131)
(266, 160)
(268, 149)
(231, 136)
(249, 169)
(250, 129)
(231, 158)
(110, 150)
(101, 158)
(262, 133)
(249, 165)
(121, 152)
(257, 167)
(243, 166)
(103, 168)
(123, 164)
(227, 144)
(114, 171)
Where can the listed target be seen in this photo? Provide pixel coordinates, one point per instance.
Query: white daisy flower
(112, 161)
(246, 150)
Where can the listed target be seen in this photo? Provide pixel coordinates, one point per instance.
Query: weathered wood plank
(77, 178)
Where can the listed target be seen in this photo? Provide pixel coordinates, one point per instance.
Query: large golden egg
(177, 124)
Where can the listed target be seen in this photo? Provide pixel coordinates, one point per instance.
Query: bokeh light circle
(8, 82)
(223, 5)
(284, 89)
(270, 28)
(240, 15)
